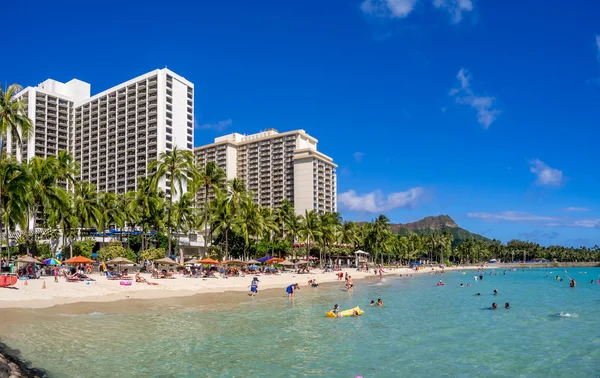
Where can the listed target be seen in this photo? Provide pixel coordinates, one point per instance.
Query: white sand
(31, 294)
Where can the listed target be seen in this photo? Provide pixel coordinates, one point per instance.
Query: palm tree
(13, 117)
(250, 222)
(109, 213)
(310, 228)
(174, 166)
(68, 168)
(13, 200)
(330, 231)
(210, 178)
(228, 204)
(44, 193)
(183, 212)
(380, 229)
(144, 207)
(86, 206)
(65, 220)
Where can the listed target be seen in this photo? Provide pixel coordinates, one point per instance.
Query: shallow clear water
(423, 330)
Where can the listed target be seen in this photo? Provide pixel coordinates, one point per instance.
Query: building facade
(115, 134)
(275, 167)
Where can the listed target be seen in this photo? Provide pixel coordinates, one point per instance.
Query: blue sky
(483, 110)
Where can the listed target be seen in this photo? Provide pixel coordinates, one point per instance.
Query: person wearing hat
(291, 289)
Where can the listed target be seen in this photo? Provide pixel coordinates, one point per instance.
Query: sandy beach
(32, 294)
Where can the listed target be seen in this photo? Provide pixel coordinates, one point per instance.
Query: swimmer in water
(507, 306)
(461, 285)
(379, 302)
(372, 302)
(336, 310)
(495, 292)
(572, 283)
(478, 294)
(494, 306)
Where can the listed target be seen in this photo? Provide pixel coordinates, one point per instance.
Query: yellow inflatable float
(350, 312)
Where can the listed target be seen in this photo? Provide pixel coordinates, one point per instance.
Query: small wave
(95, 313)
(566, 315)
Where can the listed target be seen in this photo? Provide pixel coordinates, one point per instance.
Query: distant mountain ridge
(433, 224)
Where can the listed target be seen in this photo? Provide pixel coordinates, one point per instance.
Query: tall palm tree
(13, 200)
(44, 192)
(174, 166)
(229, 203)
(183, 212)
(68, 167)
(210, 178)
(109, 213)
(310, 228)
(144, 207)
(86, 205)
(330, 231)
(380, 231)
(65, 220)
(250, 222)
(13, 117)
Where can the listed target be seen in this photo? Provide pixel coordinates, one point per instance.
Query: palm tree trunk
(7, 243)
(226, 241)
(34, 249)
(308, 248)
(169, 219)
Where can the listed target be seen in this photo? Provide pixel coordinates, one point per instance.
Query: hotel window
(169, 130)
(190, 146)
(169, 108)
(169, 138)
(169, 122)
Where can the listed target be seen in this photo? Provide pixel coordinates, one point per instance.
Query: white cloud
(511, 216)
(586, 223)
(455, 8)
(576, 209)
(486, 115)
(358, 156)
(218, 126)
(388, 8)
(376, 202)
(545, 174)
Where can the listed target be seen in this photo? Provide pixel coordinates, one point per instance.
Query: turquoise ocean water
(422, 331)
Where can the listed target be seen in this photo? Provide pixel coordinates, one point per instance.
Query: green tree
(310, 229)
(108, 212)
(210, 178)
(174, 167)
(84, 247)
(86, 206)
(13, 199)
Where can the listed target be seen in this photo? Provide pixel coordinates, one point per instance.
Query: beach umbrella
(234, 262)
(208, 260)
(51, 261)
(191, 262)
(166, 261)
(288, 263)
(302, 262)
(265, 258)
(79, 260)
(120, 261)
(253, 262)
(29, 260)
(274, 260)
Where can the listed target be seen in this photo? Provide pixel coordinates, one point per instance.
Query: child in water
(336, 310)
(372, 302)
(379, 302)
(507, 306)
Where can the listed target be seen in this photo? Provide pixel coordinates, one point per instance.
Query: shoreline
(10, 360)
(31, 294)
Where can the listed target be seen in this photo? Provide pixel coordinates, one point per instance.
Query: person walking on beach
(55, 273)
(254, 286)
(290, 290)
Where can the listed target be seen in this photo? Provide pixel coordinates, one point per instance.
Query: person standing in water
(507, 306)
(254, 286)
(572, 283)
(290, 290)
(494, 306)
(350, 284)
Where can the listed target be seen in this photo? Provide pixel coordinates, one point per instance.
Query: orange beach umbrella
(208, 260)
(79, 260)
(274, 260)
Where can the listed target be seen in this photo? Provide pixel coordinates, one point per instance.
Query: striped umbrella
(51, 261)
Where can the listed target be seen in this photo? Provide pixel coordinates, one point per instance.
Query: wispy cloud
(455, 8)
(539, 220)
(536, 235)
(546, 175)
(388, 8)
(575, 209)
(484, 105)
(377, 202)
(218, 126)
(358, 156)
(511, 216)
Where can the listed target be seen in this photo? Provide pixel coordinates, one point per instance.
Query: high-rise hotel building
(276, 166)
(115, 134)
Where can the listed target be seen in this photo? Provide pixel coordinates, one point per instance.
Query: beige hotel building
(276, 166)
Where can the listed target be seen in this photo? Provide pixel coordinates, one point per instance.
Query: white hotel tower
(115, 134)
(276, 166)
